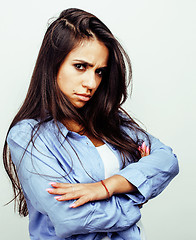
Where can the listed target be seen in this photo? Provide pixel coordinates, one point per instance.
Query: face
(81, 72)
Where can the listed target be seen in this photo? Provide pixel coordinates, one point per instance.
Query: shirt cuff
(140, 181)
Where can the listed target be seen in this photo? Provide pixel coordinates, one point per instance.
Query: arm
(37, 165)
(141, 181)
(95, 191)
(151, 174)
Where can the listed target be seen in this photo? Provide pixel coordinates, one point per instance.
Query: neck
(73, 126)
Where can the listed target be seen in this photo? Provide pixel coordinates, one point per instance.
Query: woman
(79, 165)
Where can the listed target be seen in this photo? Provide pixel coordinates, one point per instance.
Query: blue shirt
(72, 158)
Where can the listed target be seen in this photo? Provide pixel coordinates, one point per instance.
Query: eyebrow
(86, 63)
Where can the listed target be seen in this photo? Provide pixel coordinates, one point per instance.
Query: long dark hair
(45, 101)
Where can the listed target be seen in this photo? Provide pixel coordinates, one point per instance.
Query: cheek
(98, 83)
(64, 86)
(65, 80)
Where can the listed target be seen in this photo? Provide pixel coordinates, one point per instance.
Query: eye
(79, 66)
(99, 72)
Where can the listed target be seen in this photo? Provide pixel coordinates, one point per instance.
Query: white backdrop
(160, 37)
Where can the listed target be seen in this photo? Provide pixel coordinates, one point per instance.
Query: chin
(79, 104)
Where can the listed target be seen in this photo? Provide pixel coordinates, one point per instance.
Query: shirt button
(93, 203)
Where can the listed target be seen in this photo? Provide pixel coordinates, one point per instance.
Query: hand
(82, 192)
(94, 191)
(144, 150)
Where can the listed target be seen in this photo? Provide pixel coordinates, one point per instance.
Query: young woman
(80, 166)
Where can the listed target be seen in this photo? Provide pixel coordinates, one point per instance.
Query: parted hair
(103, 116)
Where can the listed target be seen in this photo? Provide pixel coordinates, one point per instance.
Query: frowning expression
(81, 72)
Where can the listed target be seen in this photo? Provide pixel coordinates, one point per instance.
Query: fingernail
(147, 149)
(52, 183)
(57, 197)
(72, 205)
(49, 189)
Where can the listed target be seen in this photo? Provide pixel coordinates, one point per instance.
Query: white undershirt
(111, 166)
(110, 161)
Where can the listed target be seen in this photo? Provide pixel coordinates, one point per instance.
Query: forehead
(92, 51)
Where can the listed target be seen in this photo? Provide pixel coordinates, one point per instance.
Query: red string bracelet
(105, 188)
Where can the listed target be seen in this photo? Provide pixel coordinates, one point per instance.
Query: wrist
(103, 184)
(117, 184)
(112, 184)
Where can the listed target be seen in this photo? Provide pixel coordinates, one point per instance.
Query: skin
(88, 192)
(85, 66)
(78, 78)
(81, 72)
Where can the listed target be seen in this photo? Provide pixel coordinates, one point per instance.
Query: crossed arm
(88, 192)
(150, 175)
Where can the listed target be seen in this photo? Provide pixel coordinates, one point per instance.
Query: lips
(83, 97)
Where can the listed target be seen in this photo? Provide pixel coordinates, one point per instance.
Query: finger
(147, 151)
(68, 196)
(59, 185)
(143, 149)
(81, 201)
(142, 154)
(59, 191)
(143, 146)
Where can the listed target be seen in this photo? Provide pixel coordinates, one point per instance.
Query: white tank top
(110, 161)
(111, 166)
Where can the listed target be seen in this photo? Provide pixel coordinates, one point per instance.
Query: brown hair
(45, 101)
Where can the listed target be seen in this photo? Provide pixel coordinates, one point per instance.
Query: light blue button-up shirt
(73, 158)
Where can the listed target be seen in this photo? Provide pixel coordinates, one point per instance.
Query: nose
(89, 80)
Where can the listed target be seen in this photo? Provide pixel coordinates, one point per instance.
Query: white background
(160, 37)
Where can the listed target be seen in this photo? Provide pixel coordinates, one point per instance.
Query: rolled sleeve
(39, 166)
(151, 174)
